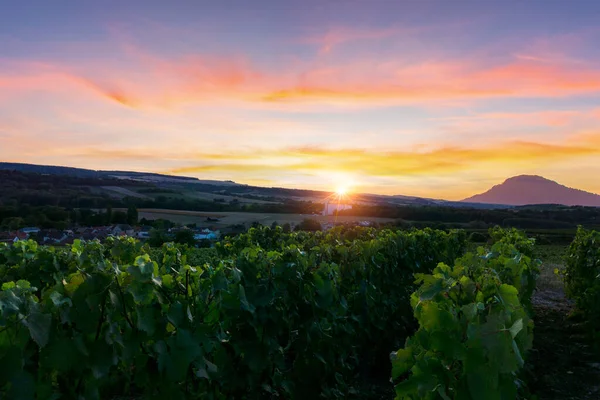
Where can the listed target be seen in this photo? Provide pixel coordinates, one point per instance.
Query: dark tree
(204, 244)
(157, 238)
(185, 236)
(309, 225)
(119, 217)
(109, 216)
(132, 215)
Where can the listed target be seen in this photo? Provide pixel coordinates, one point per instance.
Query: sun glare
(342, 184)
(341, 191)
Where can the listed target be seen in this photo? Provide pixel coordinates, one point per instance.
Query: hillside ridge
(523, 190)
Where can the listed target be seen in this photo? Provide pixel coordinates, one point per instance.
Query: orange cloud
(531, 79)
(144, 80)
(437, 161)
(443, 81)
(415, 172)
(147, 80)
(549, 118)
(441, 161)
(345, 84)
(420, 168)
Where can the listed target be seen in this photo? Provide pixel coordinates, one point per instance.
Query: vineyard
(348, 313)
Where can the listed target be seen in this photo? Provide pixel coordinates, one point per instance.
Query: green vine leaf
(39, 327)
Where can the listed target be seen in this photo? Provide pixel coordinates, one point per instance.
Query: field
(234, 218)
(227, 198)
(124, 192)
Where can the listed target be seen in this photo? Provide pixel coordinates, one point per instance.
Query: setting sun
(341, 191)
(343, 183)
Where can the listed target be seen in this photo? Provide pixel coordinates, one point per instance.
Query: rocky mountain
(532, 189)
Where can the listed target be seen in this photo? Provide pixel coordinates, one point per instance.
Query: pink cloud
(548, 118)
(336, 36)
(141, 79)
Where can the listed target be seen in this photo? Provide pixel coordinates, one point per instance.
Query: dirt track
(563, 364)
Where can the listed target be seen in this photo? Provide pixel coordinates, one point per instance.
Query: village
(56, 237)
(204, 236)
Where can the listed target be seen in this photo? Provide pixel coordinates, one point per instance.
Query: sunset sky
(429, 98)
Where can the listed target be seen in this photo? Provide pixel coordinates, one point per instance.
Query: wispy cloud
(336, 36)
(149, 80)
(440, 161)
(318, 159)
(544, 118)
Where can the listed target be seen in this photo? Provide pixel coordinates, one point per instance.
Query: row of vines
(475, 325)
(271, 315)
(582, 278)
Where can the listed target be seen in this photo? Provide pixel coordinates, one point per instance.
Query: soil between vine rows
(563, 364)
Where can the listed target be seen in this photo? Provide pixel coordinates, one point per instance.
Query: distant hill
(122, 179)
(50, 170)
(532, 189)
(89, 173)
